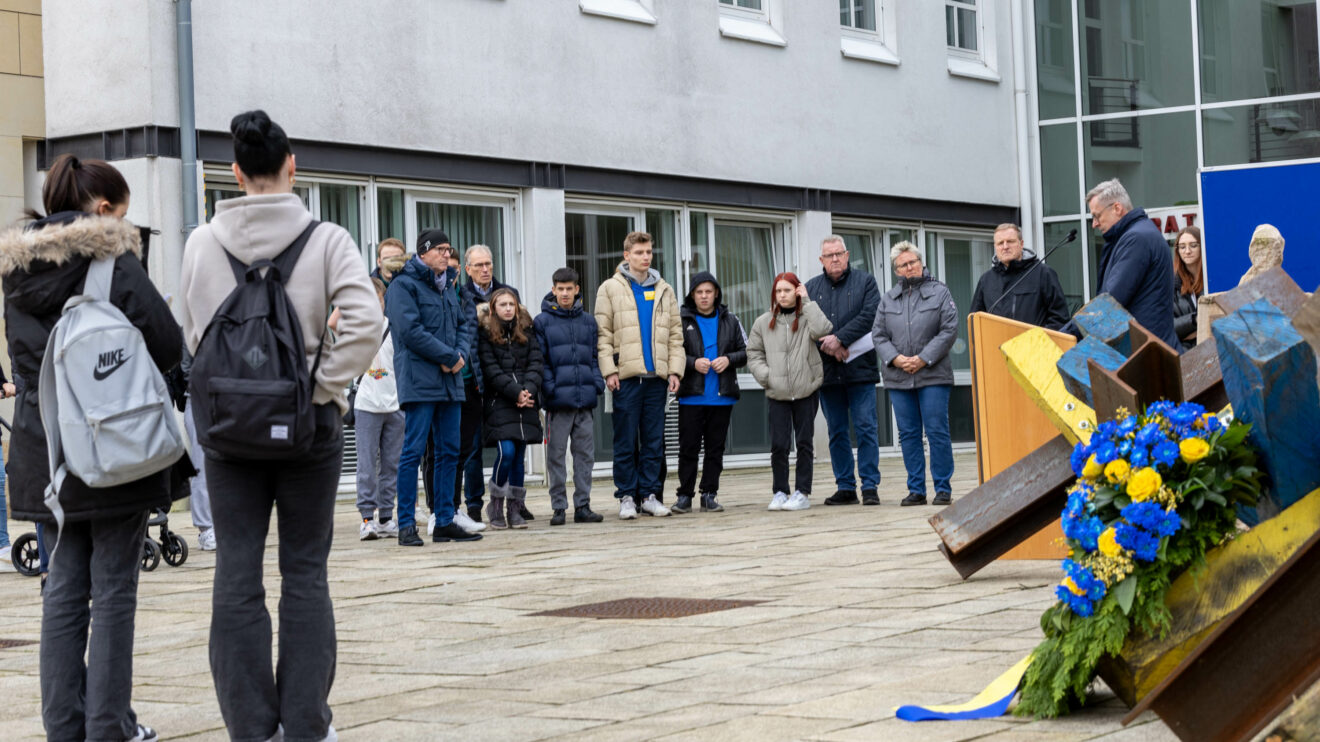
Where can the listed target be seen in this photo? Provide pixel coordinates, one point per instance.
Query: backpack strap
(284, 262)
(99, 274)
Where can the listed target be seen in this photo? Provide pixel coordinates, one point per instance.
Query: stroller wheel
(176, 550)
(23, 553)
(150, 555)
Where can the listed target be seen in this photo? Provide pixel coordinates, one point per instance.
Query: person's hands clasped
(525, 399)
(719, 364)
(702, 365)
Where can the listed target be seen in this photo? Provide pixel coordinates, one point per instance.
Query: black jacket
(43, 266)
(1037, 297)
(570, 378)
(849, 303)
(509, 368)
(730, 342)
(1137, 270)
(1184, 317)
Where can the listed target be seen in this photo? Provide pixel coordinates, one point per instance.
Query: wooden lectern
(1008, 423)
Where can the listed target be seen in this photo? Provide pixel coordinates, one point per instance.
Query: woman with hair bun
(290, 700)
(89, 601)
(782, 357)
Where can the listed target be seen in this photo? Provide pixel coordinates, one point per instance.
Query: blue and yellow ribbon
(989, 703)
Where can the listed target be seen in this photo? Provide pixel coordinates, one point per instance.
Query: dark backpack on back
(251, 390)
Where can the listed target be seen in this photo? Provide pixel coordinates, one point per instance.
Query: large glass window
(1055, 82)
(1262, 133)
(390, 221)
(960, 25)
(342, 204)
(594, 246)
(1067, 261)
(1060, 189)
(466, 225)
(959, 260)
(858, 14)
(1154, 156)
(1136, 54)
(1257, 48)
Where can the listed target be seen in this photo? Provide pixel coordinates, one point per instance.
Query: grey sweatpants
(564, 429)
(199, 497)
(379, 444)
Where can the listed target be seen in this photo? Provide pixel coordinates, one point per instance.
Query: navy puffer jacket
(431, 328)
(570, 379)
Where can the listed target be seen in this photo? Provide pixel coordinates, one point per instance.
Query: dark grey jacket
(849, 304)
(919, 320)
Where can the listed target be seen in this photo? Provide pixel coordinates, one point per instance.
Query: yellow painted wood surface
(1199, 601)
(1008, 424)
(1033, 359)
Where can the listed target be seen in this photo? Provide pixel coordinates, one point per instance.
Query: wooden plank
(1033, 361)
(1104, 319)
(1274, 284)
(1198, 601)
(1269, 374)
(1073, 366)
(1253, 664)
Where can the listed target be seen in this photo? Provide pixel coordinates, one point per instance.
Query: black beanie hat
(431, 238)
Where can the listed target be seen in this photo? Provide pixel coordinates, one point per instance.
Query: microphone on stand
(1072, 236)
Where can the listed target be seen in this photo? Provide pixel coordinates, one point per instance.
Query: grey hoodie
(330, 272)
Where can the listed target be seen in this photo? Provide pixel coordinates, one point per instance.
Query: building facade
(738, 132)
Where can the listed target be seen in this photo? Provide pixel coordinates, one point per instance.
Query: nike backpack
(250, 387)
(107, 412)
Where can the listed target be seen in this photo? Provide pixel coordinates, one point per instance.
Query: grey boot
(495, 510)
(514, 506)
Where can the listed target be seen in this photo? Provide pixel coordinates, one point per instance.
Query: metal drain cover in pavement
(648, 608)
(11, 643)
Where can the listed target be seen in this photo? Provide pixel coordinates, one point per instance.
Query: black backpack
(251, 390)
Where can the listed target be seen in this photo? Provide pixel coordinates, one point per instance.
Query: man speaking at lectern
(1019, 285)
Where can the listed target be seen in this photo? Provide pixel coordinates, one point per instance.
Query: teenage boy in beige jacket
(640, 347)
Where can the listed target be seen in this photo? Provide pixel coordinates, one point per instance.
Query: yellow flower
(1072, 586)
(1117, 470)
(1092, 468)
(1193, 449)
(1144, 483)
(1109, 544)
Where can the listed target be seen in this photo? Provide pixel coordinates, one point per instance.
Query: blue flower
(1150, 435)
(1212, 424)
(1084, 529)
(1140, 458)
(1152, 517)
(1106, 452)
(1105, 430)
(1143, 544)
(1166, 453)
(1185, 414)
(1084, 579)
(1079, 604)
(1127, 425)
(1081, 452)
(1124, 447)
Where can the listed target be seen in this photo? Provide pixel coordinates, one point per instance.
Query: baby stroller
(171, 547)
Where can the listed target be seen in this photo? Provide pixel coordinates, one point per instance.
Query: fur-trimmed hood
(60, 237)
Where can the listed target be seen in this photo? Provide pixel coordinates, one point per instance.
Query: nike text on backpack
(250, 386)
(107, 412)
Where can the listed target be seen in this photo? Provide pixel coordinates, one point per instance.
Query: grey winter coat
(916, 318)
(786, 363)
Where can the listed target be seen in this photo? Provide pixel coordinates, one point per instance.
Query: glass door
(468, 220)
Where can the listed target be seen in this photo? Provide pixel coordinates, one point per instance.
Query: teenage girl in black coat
(511, 366)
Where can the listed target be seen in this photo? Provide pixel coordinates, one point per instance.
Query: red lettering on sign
(1170, 224)
(1191, 218)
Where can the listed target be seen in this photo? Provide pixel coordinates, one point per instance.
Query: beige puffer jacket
(786, 363)
(620, 341)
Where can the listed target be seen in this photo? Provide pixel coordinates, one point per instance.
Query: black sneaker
(525, 513)
(144, 734)
(709, 505)
(584, 514)
(683, 504)
(842, 497)
(942, 498)
(475, 513)
(451, 532)
(913, 499)
(558, 518)
(408, 537)
(869, 497)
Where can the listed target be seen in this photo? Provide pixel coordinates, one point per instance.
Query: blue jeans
(509, 464)
(439, 421)
(4, 509)
(639, 436)
(927, 407)
(855, 401)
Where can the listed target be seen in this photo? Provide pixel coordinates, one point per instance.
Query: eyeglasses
(479, 266)
(436, 248)
(905, 266)
(833, 255)
(1188, 244)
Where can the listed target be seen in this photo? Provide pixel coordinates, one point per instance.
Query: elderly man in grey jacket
(914, 329)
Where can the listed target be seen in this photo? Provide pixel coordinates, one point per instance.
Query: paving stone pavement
(862, 614)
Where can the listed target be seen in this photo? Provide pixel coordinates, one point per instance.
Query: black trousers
(698, 425)
(469, 431)
(792, 422)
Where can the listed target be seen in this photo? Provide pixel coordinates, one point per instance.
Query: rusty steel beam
(1253, 664)
(1110, 392)
(1153, 370)
(1202, 380)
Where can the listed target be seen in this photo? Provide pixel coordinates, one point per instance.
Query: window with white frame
(868, 30)
(761, 21)
(640, 11)
(341, 202)
(970, 38)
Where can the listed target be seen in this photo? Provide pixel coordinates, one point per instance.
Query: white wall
(542, 81)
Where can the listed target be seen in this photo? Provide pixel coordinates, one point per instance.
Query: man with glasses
(1034, 293)
(1135, 266)
(432, 328)
(849, 297)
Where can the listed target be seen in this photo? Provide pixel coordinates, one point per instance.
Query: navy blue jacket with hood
(1137, 270)
(431, 328)
(570, 377)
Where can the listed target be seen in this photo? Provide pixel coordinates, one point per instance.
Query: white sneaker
(797, 502)
(777, 502)
(654, 507)
(6, 559)
(388, 529)
(206, 540)
(144, 734)
(627, 509)
(430, 525)
(462, 520)
(367, 531)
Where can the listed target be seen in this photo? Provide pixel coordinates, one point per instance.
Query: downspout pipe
(187, 119)
(1024, 121)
